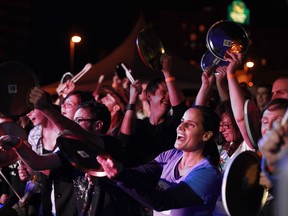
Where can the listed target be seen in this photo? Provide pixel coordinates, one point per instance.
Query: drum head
(226, 35)
(16, 82)
(241, 192)
(252, 122)
(10, 128)
(208, 59)
(150, 48)
(81, 154)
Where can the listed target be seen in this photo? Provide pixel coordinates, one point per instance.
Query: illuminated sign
(238, 12)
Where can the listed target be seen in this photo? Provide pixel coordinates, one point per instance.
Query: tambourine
(150, 48)
(16, 82)
(241, 192)
(226, 35)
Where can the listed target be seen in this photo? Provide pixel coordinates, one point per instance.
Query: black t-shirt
(150, 140)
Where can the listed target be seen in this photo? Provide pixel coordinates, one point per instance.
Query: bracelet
(170, 79)
(130, 107)
(229, 76)
(18, 144)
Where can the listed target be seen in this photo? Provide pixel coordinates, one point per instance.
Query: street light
(74, 39)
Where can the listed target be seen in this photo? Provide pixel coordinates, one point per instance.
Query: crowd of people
(154, 154)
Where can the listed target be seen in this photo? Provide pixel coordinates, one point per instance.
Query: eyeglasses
(79, 120)
(225, 125)
(68, 105)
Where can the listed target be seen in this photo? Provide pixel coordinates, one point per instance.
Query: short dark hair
(153, 84)
(265, 85)
(98, 111)
(275, 104)
(84, 96)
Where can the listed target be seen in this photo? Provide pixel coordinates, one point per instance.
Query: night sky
(104, 28)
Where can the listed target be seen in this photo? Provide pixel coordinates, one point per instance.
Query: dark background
(38, 32)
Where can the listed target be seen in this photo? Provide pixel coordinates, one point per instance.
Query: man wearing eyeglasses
(99, 196)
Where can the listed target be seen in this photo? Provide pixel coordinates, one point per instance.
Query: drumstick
(78, 76)
(95, 92)
(10, 185)
(81, 73)
(128, 73)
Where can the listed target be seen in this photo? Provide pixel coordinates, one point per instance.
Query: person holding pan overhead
(146, 138)
(231, 138)
(274, 110)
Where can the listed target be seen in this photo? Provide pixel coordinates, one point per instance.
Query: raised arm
(180, 195)
(176, 96)
(236, 94)
(27, 155)
(39, 98)
(221, 83)
(204, 92)
(128, 123)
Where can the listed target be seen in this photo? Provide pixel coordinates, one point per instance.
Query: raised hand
(208, 77)
(23, 172)
(166, 62)
(235, 60)
(135, 90)
(39, 98)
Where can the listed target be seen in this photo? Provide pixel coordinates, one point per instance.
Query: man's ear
(99, 125)
(207, 135)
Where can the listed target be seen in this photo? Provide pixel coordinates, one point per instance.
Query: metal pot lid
(150, 48)
(208, 59)
(16, 82)
(226, 35)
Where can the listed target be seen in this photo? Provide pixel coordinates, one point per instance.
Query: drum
(150, 48)
(226, 35)
(241, 192)
(81, 154)
(16, 82)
